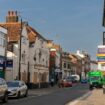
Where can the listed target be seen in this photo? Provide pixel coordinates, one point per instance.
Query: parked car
(17, 89)
(75, 78)
(66, 83)
(72, 78)
(3, 90)
(84, 81)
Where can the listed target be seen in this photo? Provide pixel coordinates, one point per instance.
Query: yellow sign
(103, 72)
(101, 62)
(100, 54)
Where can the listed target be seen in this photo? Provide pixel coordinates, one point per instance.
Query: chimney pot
(16, 13)
(9, 13)
(12, 16)
(12, 13)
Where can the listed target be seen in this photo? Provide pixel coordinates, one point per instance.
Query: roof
(76, 56)
(73, 59)
(94, 62)
(37, 34)
(14, 31)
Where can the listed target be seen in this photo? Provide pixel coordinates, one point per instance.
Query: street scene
(51, 96)
(52, 52)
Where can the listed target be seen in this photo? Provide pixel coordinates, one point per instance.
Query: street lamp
(19, 72)
(103, 38)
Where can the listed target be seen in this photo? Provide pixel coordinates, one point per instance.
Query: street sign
(103, 24)
(101, 54)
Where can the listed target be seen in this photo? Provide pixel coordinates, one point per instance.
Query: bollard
(103, 89)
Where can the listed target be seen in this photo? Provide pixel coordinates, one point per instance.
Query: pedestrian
(60, 83)
(52, 82)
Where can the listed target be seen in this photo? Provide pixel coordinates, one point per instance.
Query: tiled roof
(57, 47)
(13, 26)
(14, 31)
(36, 33)
(94, 62)
(73, 59)
(76, 56)
(31, 35)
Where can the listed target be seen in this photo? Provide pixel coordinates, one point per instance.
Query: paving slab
(96, 98)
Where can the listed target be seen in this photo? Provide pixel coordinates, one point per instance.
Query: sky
(74, 24)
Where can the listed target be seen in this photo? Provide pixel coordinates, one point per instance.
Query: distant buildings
(66, 65)
(94, 65)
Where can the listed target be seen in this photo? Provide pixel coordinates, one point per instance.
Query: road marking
(80, 98)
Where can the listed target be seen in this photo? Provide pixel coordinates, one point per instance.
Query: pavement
(94, 97)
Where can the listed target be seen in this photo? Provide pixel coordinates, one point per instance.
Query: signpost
(103, 24)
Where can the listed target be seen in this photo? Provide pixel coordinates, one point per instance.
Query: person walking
(60, 83)
(52, 82)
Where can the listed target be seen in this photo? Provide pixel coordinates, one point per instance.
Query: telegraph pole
(19, 72)
(103, 24)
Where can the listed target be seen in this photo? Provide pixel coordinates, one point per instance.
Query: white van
(77, 77)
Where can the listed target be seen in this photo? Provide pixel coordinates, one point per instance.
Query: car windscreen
(68, 80)
(0, 81)
(13, 84)
(94, 78)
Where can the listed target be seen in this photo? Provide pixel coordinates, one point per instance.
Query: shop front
(2, 67)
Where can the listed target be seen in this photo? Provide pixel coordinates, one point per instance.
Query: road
(59, 97)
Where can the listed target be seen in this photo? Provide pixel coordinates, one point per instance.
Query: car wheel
(5, 99)
(91, 87)
(18, 96)
(26, 93)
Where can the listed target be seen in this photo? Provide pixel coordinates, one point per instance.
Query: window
(0, 41)
(4, 43)
(22, 84)
(0, 82)
(68, 66)
(64, 65)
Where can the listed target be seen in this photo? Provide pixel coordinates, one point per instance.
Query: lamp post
(103, 38)
(6, 42)
(103, 23)
(19, 72)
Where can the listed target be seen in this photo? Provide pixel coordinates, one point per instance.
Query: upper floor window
(2, 39)
(2, 42)
(68, 66)
(64, 65)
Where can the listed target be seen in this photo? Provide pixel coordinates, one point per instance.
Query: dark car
(84, 81)
(3, 90)
(72, 78)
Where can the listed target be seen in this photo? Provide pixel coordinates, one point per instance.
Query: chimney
(12, 16)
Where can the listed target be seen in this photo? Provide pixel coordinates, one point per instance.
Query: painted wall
(3, 33)
(39, 61)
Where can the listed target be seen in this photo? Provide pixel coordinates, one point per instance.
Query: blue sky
(74, 24)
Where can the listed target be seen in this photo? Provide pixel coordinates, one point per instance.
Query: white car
(17, 89)
(3, 90)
